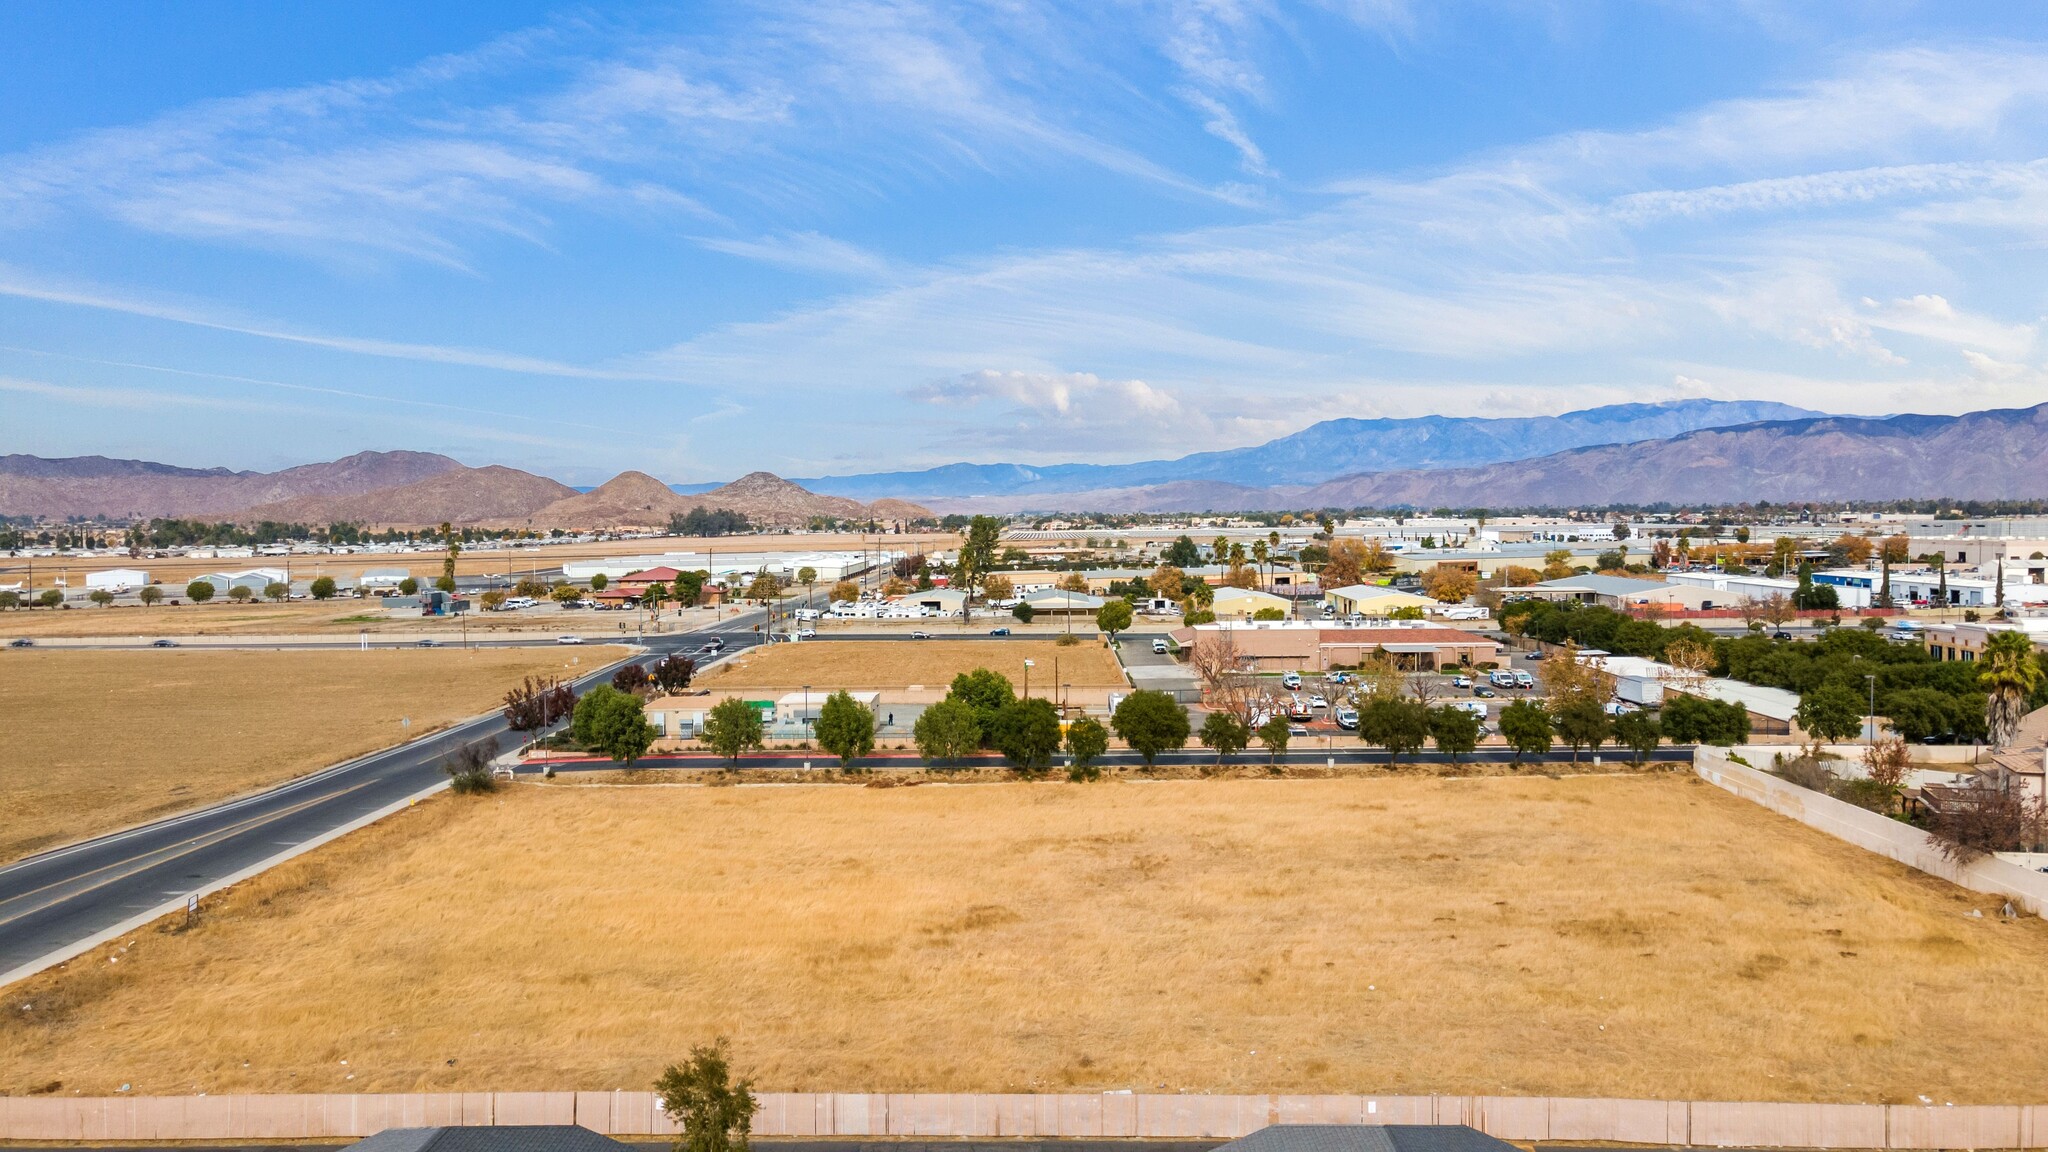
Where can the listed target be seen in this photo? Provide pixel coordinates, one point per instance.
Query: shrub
(469, 767)
(1023, 612)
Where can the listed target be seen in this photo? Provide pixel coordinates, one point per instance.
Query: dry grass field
(91, 741)
(1616, 936)
(830, 664)
(333, 618)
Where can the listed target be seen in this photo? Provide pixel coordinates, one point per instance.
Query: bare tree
(1977, 821)
(1214, 657)
(1776, 609)
(1690, 661)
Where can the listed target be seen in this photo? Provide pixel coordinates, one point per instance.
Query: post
(1027, 679)
(1870, 735)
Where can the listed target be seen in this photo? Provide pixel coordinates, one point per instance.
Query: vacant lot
(342, 618)
(91, 741)
(1620, 936)
(900, 663)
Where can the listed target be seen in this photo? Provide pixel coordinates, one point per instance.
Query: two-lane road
(72, 898)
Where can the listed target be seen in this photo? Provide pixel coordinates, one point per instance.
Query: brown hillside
(637, 500)
(628, 500)
(463, 496)
(131, 489)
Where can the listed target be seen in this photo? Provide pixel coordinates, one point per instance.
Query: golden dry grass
(92, 741)
(335, 617)
(1613, 936)
(933, 663)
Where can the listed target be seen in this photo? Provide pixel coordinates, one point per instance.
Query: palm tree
(1259, 554)
(2010, 675)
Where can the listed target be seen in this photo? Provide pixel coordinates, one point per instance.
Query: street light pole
(1870, 734)
(1027, 679)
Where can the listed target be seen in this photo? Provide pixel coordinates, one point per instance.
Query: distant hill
(1330, 449)
(637, 500)
(95, 486)
(460, 496)
(1997, 454)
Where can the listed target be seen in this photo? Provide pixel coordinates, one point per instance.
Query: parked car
(1317, 701)
(1291, 681)
(1159, 647)
(999, 631)
(1347, 717)
(1524, 680)
(163, 644)
(1484, 692)
(1296, 730)
(566, 639)
(807, 633)
(1461, 681)
(1781, 634)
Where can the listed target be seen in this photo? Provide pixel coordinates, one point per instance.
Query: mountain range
(1329, 449)
(1994, 454)
(97, 487)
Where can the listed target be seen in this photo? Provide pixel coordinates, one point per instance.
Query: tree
(1027, 733)
(1886, 763)
(1023, 612)
(10, 599)
(1920, 714)
(101, 597)
(715, 1114)
(947, 731)
(565, 594)
(808, 577)
(198, 591)
(1225, 734)
(977, 555)
(492, 600)
(408, 587)
(764, 586)
(1831, 713)
(1449, 583)
(984, 692)
(1620, 530)
(673, 673)
(241, 593)
(1455, 730)
(151, 595)
(1087, 740)
(1580, 722)
(1274, 734)
(1168, 581)
(1072, 582)
(276, 591)
(469, 767)
(1113, 617)
(1182, 553)
(731, 728)
(1686, 718)
(1526, 727)
(51, 597)
(600, 582)
(612, 722)
(689, 588)
(844, 592)
(630, 678)
(537, 703)
(845, 728)
(1346, 564)
(2009, 674)
(1849, 551)
(323, 588)
(1638, 732)
(997, 588)
(1150, 722)
(1394, 722)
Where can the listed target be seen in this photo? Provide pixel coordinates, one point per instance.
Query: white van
(1159, 647)
(1501, 678)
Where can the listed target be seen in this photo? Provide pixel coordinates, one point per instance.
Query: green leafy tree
(1023, 612)
(977, 555)
(986, 692)
(732, 728)
(808, 577)
(846, 728)
(714, 1113)
(10, 599)
(844, 592)
(1150, 722)
(1183, 553)
(1921, 714)
(947, 730)
(612, 722)
(408, 587)
(1113, 617)
(447, 583)
(1225, 734)
(565, 594)
(1455, 731)
(323, 588)
(276, 591)
(1274, 734)
(51, 597)
(1581, 723)
(199, 591)
(1027, 733)
(1087, 740)
(531, 587)
(1526, 727)
(1831, 713)
(1688, 719)
(600, 582)
(101, 597)
(1638, 732)
(2010, 675)
(1396, 723)
(151, 595)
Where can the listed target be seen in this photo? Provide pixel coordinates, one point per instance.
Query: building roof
(1598, 585)
(1775, 703)
(1063, 599)
(1367, 1138)
(664, 573)
(490, 1138)
(1223, 594)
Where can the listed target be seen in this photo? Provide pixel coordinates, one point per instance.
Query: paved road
(56, 900)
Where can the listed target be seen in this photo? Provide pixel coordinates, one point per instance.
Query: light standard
(1870, 720)
(1028, 665)
(804, 717)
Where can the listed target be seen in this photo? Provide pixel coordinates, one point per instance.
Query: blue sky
(836, 237)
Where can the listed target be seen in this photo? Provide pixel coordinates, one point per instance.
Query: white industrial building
(254, 579)
(373, 578)
(116, 579)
